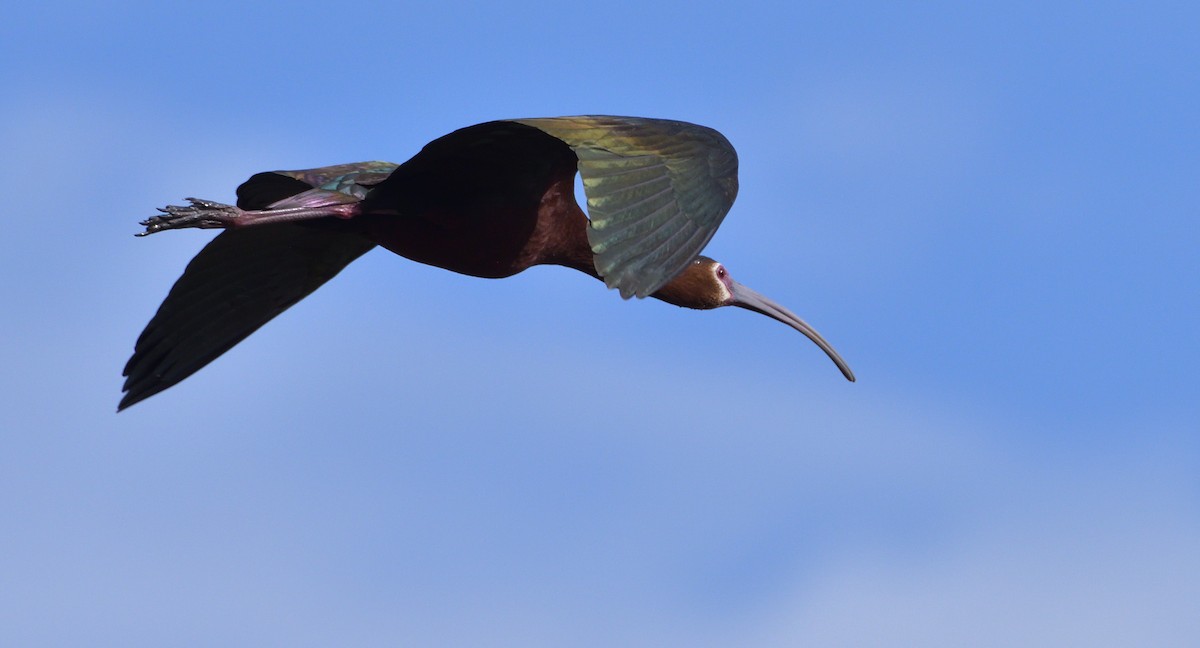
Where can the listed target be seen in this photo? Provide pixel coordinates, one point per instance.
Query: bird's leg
(206, 214)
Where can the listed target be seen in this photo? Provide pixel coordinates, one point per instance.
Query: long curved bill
(744, 297)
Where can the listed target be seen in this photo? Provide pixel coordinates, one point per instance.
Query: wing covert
(656, 192)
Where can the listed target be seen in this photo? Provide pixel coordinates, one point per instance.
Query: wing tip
(129, 399)
(140, 385)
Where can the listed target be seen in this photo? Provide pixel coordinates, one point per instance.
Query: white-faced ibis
(488, 200)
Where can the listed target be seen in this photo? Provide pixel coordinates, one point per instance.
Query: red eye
(721, 271)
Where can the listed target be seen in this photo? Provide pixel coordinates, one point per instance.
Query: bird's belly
(477, 248)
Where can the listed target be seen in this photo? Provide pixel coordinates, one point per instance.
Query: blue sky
(989, 210)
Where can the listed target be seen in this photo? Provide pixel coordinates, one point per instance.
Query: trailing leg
(206, 214)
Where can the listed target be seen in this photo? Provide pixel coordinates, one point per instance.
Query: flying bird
(488, 200)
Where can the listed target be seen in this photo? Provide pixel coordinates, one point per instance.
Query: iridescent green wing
(351, 179)
(656, 192)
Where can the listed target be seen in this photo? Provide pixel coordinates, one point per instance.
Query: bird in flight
(488, 200)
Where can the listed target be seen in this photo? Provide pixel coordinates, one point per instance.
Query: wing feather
(656, 192)
(240, 281)
(245, 277)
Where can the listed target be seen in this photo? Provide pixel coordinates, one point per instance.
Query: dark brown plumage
(489, 200)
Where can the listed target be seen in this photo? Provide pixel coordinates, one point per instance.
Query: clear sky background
(990, 209)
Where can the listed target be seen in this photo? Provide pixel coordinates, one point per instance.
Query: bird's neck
(560, 235)
(578, 253)
(569, 246)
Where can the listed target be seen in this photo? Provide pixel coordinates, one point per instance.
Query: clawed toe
(204, 214)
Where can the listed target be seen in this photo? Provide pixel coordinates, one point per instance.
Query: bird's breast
(474, 247)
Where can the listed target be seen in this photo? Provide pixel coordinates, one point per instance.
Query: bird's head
(706, 284)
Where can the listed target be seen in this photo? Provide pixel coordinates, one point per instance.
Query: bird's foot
(204, 214)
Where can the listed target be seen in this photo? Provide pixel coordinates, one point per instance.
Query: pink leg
(206, 214)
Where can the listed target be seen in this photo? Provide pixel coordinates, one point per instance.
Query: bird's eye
(721, 271)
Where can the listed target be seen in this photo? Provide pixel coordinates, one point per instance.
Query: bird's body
(489, 200)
